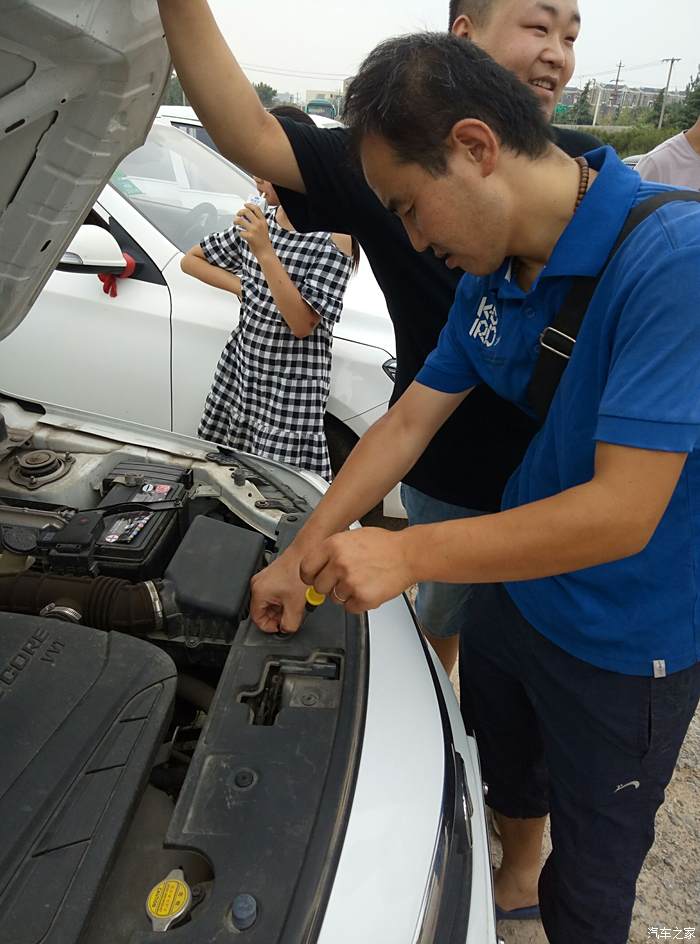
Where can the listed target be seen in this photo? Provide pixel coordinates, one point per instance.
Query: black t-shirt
(471, 458)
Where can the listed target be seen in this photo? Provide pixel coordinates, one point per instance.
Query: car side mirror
(93, 250)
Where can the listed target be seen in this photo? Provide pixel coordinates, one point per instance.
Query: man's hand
(359, 569)
(277, 600)
(252, 227)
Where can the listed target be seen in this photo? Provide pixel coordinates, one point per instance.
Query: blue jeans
(441, 607)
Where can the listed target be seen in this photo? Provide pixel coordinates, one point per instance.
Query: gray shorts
(441, 607)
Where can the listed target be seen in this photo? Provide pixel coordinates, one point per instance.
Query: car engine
(166, 767)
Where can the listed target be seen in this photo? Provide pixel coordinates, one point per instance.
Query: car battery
(137, 544)
(132, 533)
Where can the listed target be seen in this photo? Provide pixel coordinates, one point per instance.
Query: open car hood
(80, 81)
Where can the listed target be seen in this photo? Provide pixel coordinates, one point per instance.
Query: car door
(81, 348)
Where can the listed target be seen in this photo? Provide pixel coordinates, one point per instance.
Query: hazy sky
(331, 38)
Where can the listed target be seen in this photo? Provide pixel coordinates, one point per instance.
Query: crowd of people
(545, 422)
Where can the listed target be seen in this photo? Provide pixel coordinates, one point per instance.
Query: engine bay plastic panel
(268, 792)
(82, 714)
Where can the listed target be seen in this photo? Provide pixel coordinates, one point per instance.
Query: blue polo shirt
(633, 380)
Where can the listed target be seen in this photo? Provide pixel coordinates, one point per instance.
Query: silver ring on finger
(337, 596)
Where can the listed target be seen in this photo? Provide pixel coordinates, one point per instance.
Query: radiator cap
(169, 901)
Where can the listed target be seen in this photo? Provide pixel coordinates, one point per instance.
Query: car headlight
(389, 368)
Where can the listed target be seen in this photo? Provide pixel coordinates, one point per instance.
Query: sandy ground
(668, 891)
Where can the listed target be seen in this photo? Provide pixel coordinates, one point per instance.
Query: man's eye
(540, 29)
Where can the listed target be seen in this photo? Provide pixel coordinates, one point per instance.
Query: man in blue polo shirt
(581, 667)
(580, 670)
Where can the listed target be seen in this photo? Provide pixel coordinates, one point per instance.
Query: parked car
(168, 772)
(148, 355)
(184, 118)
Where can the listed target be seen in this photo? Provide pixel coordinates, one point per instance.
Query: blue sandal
(531, 913)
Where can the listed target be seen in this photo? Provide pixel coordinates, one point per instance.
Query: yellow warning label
(168, 898)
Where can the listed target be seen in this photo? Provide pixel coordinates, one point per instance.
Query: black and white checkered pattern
(270, 389)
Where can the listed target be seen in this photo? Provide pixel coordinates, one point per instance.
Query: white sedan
(167, 771)
(148, 354)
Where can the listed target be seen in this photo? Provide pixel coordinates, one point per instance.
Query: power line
(644, 65)
(294, 73)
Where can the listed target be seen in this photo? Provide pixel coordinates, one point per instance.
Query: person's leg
(446, 649)
(516, 880)
(496, 708)
(441, 608)
(611, 742)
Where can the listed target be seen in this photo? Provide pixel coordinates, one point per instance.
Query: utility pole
(599, 89)
(672, 63)
(620, 67)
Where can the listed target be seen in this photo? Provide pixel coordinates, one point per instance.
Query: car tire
(341, 441)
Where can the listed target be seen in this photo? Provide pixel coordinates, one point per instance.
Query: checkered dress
(270, 389)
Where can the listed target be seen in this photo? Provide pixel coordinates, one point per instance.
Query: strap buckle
(557, 342)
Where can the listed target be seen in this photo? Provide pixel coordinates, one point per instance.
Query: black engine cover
(82, 714)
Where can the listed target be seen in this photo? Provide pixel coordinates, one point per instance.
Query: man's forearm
(370, 472)
(225, 101)
(581, 527)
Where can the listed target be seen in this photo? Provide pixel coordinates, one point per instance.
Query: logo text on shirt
(485, 326)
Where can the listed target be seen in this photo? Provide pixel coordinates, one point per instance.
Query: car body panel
(398, 824)
(482, 918)
(117, 337)
(60, 144)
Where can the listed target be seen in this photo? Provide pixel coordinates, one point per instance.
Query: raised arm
(195, 264)
(225, 101)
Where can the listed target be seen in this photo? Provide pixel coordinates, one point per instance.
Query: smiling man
(534, 39)
(580, 662)
(464, 469)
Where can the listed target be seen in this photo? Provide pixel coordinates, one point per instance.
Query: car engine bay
(166, 767)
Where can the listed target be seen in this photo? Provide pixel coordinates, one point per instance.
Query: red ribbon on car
(109, 280)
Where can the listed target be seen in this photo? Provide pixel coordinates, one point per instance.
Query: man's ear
(477, 142)
(463, 27)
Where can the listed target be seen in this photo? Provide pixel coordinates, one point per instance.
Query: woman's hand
(252, 227)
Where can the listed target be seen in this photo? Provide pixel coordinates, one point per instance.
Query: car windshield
(196, 131)
(182, 187)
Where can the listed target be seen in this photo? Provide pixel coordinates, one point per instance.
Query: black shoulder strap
(558, 340)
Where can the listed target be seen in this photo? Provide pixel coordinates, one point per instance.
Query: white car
(148, 355)
(168, 772)
(184, 118)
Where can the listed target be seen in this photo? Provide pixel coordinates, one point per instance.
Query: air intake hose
(107, 603)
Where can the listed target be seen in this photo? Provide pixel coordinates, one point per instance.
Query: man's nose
(555, 53)
(418, 241)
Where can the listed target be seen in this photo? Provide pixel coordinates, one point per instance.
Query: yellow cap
(169, 901)
(313, 597)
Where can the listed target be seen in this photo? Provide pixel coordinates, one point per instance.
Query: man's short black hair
(412, 91)
(477, 10)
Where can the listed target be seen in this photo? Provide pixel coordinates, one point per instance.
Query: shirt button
(529, 312)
